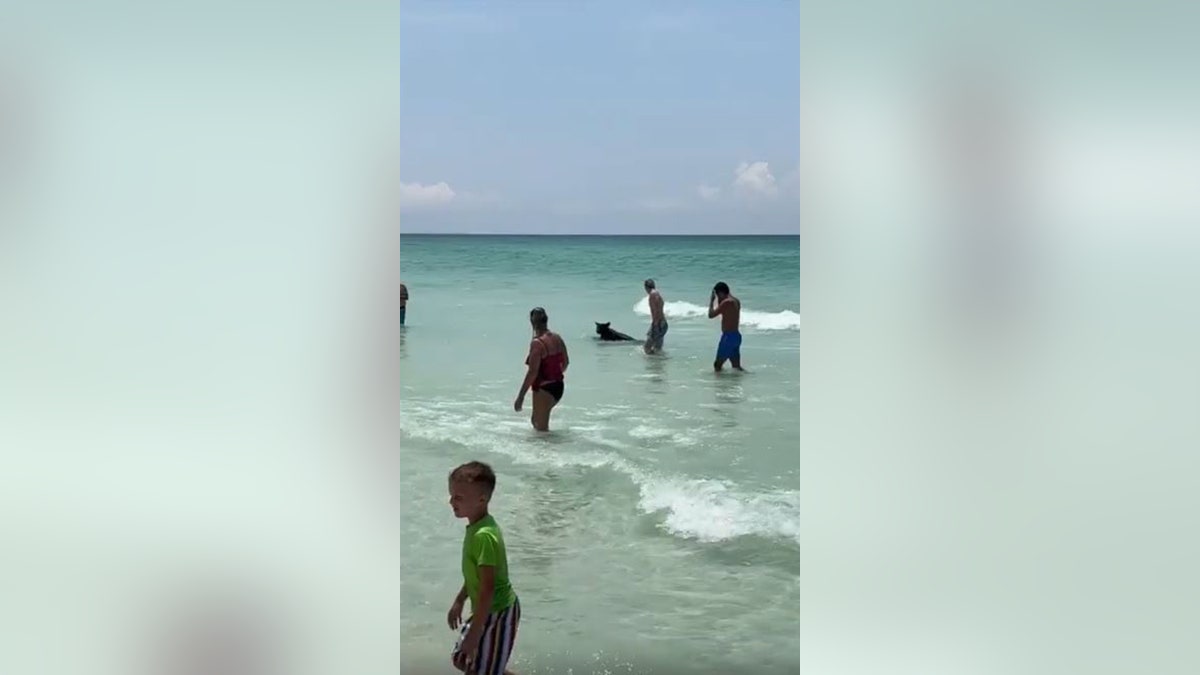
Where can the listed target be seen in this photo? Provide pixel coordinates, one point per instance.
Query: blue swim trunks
(730, 346)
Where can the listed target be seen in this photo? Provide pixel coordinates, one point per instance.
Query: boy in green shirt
(485, 641)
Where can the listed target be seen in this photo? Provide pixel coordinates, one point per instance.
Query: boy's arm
(719, 308)
(462, 595)
(487, 588)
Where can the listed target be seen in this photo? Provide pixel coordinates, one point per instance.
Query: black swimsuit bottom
(555, 389)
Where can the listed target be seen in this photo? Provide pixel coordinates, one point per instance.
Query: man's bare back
(656, 306)
(730, 310)
(658, 319)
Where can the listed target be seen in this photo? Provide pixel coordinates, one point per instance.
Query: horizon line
(599, 234)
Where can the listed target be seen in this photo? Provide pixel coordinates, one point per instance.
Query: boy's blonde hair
(475, 473)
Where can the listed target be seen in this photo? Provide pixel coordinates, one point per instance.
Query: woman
(547, 361)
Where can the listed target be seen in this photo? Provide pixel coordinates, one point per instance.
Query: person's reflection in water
(728, 389)
(656, 373)
(729, 394)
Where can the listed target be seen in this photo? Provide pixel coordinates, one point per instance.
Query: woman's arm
(534, 361)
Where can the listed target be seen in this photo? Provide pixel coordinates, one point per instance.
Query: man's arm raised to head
(719, 309)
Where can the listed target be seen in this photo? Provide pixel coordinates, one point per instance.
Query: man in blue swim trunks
(729, 308)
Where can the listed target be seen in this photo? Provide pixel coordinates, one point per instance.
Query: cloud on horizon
(751, 181)
(753, 192)
(754, 180)
(630, 116)
(416, 195)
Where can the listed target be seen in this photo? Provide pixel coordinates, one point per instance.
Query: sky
(614, 117)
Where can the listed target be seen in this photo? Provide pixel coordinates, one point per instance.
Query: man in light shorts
(658, 320)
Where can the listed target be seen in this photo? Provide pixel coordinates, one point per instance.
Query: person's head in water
(648, 285)
(539, 319)
(721, 289)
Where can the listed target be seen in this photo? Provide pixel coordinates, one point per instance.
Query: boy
(485, 641)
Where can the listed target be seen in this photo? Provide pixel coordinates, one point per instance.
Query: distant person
(547, 364)
(658, 321)
(403, 302)
(729, 308)
(485, 640)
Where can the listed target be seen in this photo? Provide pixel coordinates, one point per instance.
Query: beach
(656, 527)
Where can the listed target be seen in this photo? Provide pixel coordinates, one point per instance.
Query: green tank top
(483, 545)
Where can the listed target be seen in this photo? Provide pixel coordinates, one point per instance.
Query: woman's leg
(542, 403)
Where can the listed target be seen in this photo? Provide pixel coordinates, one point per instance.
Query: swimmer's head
(721, 289)
(538, 317)
(648, 284)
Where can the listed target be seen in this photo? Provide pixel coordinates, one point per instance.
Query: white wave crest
(700, 509)
(681, 309)
(710, 511)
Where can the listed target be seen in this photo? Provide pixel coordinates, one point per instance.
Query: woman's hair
(538, 317)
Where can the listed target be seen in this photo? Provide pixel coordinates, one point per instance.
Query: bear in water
(607, 334)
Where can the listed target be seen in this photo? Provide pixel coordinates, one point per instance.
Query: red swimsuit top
(551, 369)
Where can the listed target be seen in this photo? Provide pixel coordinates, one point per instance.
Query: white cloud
(417, 194)
(754, 180)
(751, 181)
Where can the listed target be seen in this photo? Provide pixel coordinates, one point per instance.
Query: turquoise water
(656, 528)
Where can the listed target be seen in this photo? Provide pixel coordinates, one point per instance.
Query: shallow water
(660, 517)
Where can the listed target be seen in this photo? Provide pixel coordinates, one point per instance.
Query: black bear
(608, 334)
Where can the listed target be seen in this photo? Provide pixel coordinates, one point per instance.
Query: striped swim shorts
(499, 634)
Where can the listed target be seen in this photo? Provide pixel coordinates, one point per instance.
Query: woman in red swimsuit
(547, 362)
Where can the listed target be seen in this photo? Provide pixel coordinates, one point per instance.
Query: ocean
(656, 527)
